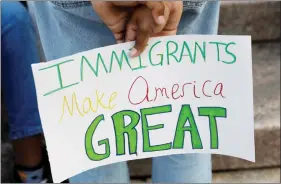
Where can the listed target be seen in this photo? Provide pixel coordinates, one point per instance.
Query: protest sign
(184, 94)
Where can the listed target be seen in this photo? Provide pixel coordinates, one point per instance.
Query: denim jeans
(19, 51)
(66, 28)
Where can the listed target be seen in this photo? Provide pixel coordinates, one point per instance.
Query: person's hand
(116, 14)
(142, 24)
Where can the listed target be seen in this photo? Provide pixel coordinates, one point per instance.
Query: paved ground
(271, 175)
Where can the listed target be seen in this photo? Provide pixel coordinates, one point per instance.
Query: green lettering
(120, 131)
(171, 53)
(197, 46)
(119, 61)
(186, 47)
(218, 49)
(230, 53)
(186, 114)
(202, 50)
(150, 57)
(92, 155)
(145, 128)
(140, 62)
(96, 71)
(212, 113)
(226, 50)
(59, 77)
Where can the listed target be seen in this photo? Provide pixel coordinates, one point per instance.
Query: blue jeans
(19, 51)
(66, 28)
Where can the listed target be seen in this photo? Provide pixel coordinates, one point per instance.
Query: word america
(129, 130)
(174, 53)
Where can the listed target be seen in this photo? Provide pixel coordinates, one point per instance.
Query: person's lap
(18, 46)
(69, 28)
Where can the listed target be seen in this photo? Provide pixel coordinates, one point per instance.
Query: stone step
(268, 175)
(260, 19)
(266, 76)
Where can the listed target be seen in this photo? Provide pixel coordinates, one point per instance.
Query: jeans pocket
(193, 4)
(71, 4)
(82, 9)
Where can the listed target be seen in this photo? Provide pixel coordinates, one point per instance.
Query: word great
(174, 52)
(130, 130)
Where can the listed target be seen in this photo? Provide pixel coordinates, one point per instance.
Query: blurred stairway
(262, 21)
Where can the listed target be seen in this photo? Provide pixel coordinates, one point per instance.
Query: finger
(119, 37)
(160, 11)
(131, 29)
(118, 33)
(143, 20)
(118, 28)
(141, 42)
(175, 15)
(125, 3)
(166, 33)
(131, 33)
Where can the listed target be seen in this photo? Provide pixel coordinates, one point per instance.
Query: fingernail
(120, 41)
(161, 20)
(133, 52)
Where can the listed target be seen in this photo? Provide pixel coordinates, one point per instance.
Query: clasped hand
(139, 20)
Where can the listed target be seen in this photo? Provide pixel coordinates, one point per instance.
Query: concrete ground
(271, 175)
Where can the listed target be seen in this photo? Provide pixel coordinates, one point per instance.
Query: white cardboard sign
(184, 94)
